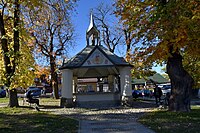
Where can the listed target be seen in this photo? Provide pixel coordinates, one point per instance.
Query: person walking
(157, 94)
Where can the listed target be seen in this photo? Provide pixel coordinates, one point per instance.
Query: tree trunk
(55, 85)
(10, 64)
(54, 77)
(128, 52)
(13, 100)
(181, 84)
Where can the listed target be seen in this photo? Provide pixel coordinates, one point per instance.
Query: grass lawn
(26, 119)
(173, 122)
(4, 100)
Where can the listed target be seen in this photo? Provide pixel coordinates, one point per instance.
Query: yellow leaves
(125, 15)
(42, 71)
(196, 17)
(169, 24)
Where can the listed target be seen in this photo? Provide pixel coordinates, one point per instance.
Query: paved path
(108, 120)
(115, 120)
(112, 126)
(3, 104)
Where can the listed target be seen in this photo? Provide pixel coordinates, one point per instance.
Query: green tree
(24, 75)
(192, 65)
(10, 56)
(166, 30)
(53, 32)
(11, 33)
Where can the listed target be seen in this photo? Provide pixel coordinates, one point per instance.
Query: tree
(9, 64)
(165, 30)
(12, 32)
(114, 33)
(24, 74)
(53, 32)
(10, 56)
(129, 41)
(110, 32)
(42, 71)
(192, 65)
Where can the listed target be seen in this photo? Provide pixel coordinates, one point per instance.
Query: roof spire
(91, 23)
(92, 34)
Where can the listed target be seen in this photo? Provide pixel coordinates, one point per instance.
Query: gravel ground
(138, 109)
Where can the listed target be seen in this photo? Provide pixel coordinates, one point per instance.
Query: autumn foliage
(162, 27)
(166, 31)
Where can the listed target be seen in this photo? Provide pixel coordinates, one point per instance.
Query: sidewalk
(116, 120)
(112, 126)
(3, 104)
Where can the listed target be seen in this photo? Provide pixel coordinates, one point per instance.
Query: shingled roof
(79, 59)
(157, 78)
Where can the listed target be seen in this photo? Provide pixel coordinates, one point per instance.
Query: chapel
(95, 76)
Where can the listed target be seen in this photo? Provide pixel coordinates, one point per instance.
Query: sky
(81, 19)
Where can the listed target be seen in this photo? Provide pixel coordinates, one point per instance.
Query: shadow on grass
(40, 122)
(49, 107)
(41, 106)
(143, 104)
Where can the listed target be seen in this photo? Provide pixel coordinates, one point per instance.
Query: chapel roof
(79, 59)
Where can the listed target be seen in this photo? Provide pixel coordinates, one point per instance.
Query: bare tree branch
(110, 37)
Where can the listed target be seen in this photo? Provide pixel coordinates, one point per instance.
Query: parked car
(35, 91)
(141, 93)
(166, 89)
(20, 90)
(148, 93)
(135, 93)
(2, 93)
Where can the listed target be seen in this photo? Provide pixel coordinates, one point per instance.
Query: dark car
(135, 93)
(35, 91)
(2, 93)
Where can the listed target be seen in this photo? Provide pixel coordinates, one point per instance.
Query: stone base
(98, 104)
(66, 102)
(127, 101)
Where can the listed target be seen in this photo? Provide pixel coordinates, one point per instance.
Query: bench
(32, 101)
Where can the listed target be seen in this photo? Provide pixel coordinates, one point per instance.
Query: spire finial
(91, 22)
(92, 34)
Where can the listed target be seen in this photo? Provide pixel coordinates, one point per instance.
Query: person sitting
(31, 99)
